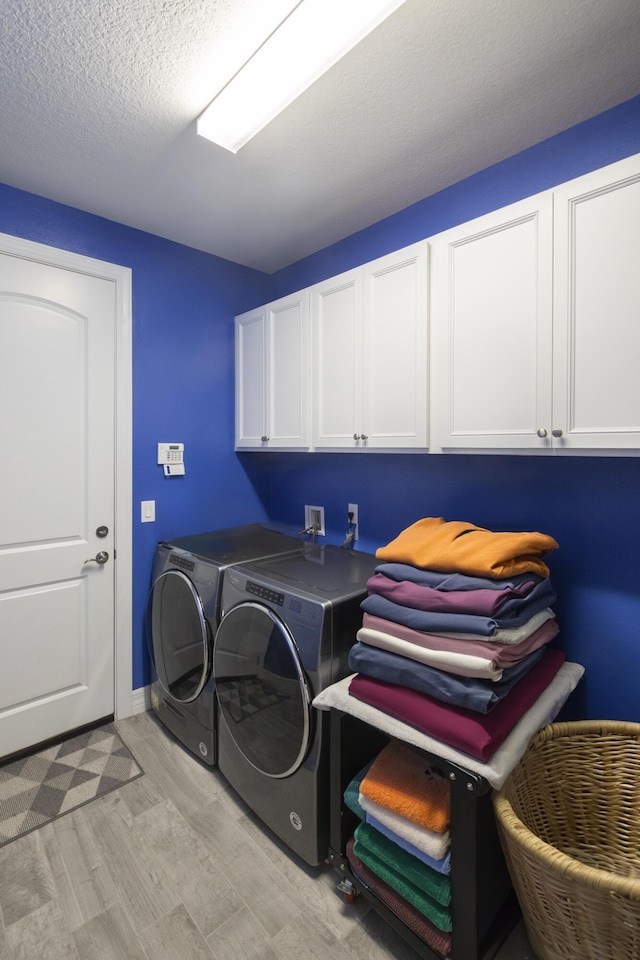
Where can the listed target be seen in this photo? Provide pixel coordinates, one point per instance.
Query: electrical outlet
(314, 519)
(352, 516)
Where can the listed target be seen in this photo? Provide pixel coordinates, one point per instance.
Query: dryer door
(262, 689)
(178, 636)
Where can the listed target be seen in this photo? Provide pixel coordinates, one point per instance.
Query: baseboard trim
(141, 700)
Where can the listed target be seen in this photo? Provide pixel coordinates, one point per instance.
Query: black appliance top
(327, 572)
(237, 544)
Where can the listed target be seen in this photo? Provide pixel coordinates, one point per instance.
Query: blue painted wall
(590, 505)
(601, 140)
(183, 307)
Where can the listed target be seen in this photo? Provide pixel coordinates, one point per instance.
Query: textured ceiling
(98, 102)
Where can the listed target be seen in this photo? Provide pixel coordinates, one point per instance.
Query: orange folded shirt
(401, 780)
(457, 547)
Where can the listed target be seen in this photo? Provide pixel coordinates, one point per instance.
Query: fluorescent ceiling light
(315, 35)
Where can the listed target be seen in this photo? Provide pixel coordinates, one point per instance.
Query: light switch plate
(147, 511)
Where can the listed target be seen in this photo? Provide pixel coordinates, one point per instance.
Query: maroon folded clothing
(479, 602)
(478, 735)
(416, 921)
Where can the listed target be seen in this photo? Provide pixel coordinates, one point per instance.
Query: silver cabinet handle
(360, 436)
(356, 436)
(264, 439)
(101, 557)
(541, 433)
(556, 433)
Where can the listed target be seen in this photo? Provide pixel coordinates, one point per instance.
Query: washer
(287, 627)
(183, 613)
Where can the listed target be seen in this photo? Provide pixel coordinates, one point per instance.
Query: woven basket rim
(554, 859)
(570, 728)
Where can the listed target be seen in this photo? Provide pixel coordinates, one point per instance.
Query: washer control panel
(264, 593)
(177, 560)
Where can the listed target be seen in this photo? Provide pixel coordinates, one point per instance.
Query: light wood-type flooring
(173, 866)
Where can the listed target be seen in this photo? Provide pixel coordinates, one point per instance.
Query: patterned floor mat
(58, 779)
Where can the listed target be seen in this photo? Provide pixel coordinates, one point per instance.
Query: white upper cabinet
(272, 375)
(536, 321)
(395, 366)
(370, 355)
(492, 328)
(336, 349)
(596, 388)
(530, 342)
(251, 332)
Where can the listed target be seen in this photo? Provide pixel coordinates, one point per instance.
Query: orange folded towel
(401, 780)
(457, 547)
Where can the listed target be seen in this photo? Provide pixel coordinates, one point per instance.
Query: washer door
(178, 636)
(262, 689)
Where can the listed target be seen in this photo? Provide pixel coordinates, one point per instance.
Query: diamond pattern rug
(58, 779)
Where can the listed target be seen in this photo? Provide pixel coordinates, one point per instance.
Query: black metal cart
(483, 904)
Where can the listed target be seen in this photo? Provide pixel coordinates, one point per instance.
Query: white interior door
(57, 414)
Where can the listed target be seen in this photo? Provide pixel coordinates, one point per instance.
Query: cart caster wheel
(347, 890)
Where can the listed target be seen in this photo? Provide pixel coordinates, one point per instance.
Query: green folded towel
(352, 792)
(427, 890)
(435, 885)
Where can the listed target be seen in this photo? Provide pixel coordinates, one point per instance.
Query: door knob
(542, 433)
(101, 557)
(556, 433)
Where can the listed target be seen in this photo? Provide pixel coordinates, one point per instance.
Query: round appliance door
(179, 637)
(262, 689)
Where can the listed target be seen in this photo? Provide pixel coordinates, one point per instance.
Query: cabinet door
(492, 316)
(287, 372)
(251, 330)
(597, 309)
(395, 350)
(336, 319)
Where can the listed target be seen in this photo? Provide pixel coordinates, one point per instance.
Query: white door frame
(123, 679)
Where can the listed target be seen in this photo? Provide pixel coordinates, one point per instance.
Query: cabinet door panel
(492, 304)
(395, 349)
(288, 372)
(250, 378)
(336, 311)
(597, 312)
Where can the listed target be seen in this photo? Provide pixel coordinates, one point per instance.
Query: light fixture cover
(315, 35)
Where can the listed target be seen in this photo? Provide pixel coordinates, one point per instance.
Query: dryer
(183, 613)
(287, 627)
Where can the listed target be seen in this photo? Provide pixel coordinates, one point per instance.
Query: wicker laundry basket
(569, 821)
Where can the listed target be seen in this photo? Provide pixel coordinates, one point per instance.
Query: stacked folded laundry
(456, 632)
(401, 848)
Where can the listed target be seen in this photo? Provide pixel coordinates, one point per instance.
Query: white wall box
(369, 355)
(535, 321)
(272, 375)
